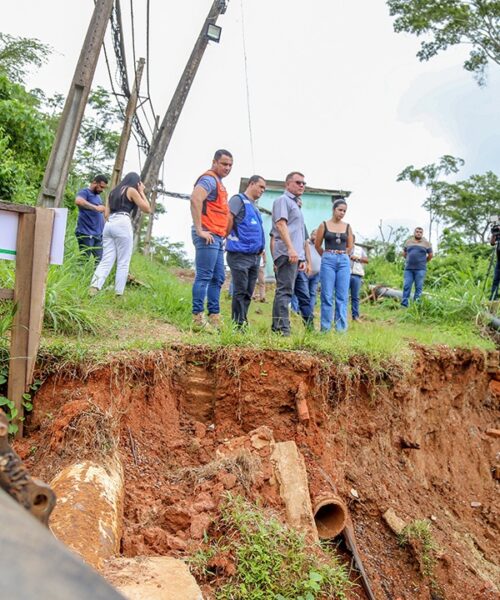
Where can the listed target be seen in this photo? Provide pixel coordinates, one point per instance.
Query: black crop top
(334, 240)
(122, 204)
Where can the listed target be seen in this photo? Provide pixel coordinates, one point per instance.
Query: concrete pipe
(330, 516)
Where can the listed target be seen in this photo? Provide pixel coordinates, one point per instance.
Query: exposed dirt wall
(412, 441)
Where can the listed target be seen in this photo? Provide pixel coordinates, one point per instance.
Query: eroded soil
(415, 442)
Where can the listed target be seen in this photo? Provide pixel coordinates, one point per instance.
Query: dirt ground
(415, 442)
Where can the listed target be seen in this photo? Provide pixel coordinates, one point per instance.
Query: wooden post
(34, 237)
(127, 125)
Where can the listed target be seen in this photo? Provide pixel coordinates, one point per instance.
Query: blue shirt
(208, 183)
(416, 254)
(89, 221)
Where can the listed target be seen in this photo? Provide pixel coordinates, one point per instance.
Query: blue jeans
(413, 277)
(301, 292)
(334, 275)
(90, 245)
(496, 281)
(312, 282)
(209, 277)
(355, 285)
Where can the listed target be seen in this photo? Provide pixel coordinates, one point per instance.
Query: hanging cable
(147, 59)
(247, 86)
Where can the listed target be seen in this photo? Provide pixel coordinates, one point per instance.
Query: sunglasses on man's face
(300, 182)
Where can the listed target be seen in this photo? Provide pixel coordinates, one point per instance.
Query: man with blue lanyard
(90, 222)
(417, 252)
(245, 243)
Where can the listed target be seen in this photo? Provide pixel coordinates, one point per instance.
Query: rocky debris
(495, 388)
(396, 524)
(152, 578)
(495, 433)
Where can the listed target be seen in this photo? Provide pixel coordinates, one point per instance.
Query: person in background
(495, 241)
(261, 279)
(312, 279)
(210, 211)
(358, 259)
(244, 246)
(289, 251)
(417, 252)
(335, 267)
(90, 223)
(123, 203)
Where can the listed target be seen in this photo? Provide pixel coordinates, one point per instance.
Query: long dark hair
(131, 179)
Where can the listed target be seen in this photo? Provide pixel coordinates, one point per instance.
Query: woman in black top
(334, 243)
(117, 238)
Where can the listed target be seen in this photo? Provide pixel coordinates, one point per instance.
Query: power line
(247, 86)
(147, 59)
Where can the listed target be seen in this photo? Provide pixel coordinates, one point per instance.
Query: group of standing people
(300, 261)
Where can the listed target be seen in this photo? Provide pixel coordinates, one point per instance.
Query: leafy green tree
(428, 177)
(18, 54)
(25, 142)
(99, 136)
(445, 23)
(467, 206)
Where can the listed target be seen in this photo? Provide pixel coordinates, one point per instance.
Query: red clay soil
(415, 442)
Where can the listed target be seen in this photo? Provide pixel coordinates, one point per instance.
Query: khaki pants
(261, 284)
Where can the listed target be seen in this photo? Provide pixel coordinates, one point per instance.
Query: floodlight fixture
(213, 32)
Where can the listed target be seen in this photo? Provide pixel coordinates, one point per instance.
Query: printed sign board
(8, 235)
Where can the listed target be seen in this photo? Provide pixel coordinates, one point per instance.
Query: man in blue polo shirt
(91, 218)
(417, 252)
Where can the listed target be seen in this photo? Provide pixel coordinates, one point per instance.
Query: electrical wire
(247, 85)
(147, 59)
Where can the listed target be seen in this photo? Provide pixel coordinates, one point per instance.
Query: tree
(18, 54)
(467, 206)
(475, 23)
(98, 140)
(428, 177)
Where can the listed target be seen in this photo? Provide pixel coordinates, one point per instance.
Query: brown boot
(215, 321)
(198, 323)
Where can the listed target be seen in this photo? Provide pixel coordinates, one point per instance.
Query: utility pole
(56, 172)
(161, 142)
(127, 125)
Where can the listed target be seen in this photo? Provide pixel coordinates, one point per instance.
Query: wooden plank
(19, 208)
(20, 326)
(6, 294)
(41, 255)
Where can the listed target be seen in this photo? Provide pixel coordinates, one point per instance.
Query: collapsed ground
(409, 439)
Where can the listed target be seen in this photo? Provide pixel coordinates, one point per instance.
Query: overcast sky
(334, 92)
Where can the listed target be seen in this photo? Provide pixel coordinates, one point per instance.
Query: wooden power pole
(161, 142)
(56, 172)
(127, 125)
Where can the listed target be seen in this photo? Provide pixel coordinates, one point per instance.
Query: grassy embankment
(80, 328)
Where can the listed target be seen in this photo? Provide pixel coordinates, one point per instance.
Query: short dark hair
(337, 202)
(100, 179)
(220, 153)
(292, 174)
(255, 179)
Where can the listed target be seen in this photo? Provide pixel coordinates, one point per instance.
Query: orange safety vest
(214, 214)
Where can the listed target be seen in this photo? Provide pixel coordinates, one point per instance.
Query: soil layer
(185, 422)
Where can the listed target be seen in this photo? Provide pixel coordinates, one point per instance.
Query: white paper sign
(8, 235)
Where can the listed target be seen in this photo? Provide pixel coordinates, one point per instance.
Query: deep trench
(413, 440)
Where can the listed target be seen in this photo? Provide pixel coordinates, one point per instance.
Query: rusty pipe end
(330, 516)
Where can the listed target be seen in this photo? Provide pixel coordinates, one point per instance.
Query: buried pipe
(330, 516)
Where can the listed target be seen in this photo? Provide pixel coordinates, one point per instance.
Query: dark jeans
(355, 287)
(312, 281)
(209, 277)
(496, 281)
(244, 271)
(90, 245)
(412, 278)
(301, 291)
(286, 273)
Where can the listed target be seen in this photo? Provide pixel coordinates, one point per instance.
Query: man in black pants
(245, 243)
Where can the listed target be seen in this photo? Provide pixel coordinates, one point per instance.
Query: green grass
(271, 561)
(79, 328)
